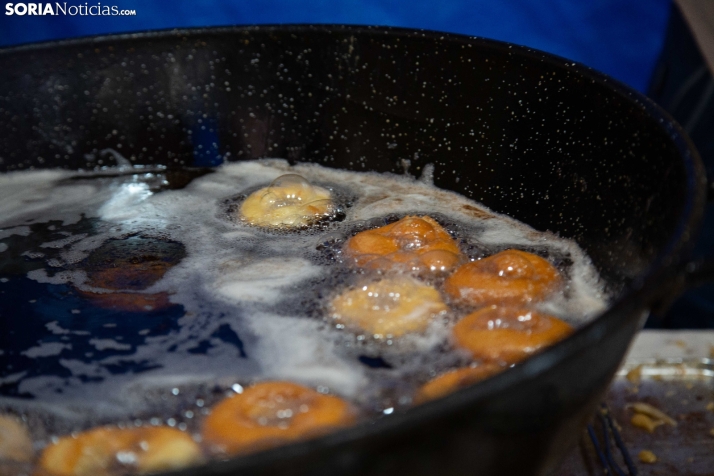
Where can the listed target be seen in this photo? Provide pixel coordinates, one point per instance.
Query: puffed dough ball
(456, 379)
(108, 451)
(508, 334)
(15, 441)
(290, 201)
(388, 307)
(412, 243)
(271, 413)
(511, 276)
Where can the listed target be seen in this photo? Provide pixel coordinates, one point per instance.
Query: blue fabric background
(619, 37)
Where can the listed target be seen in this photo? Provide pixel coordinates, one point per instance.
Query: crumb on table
(646, 456)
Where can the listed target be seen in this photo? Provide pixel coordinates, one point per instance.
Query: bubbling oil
(243, 303)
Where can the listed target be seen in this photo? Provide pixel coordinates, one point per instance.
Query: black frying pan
(537, 137)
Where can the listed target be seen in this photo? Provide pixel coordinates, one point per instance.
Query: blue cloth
(619, 37)
(684, 86)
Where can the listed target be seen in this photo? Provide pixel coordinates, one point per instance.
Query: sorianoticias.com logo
(62, 8)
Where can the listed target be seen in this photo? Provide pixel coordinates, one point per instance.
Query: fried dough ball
(130, 302)
(388, 307)
(125, 267)
(508, 334)
(416, 243)
(511, 276)
(111, 450)
(290, 201)
(270, 413)
(454, 380)
(15, 441)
